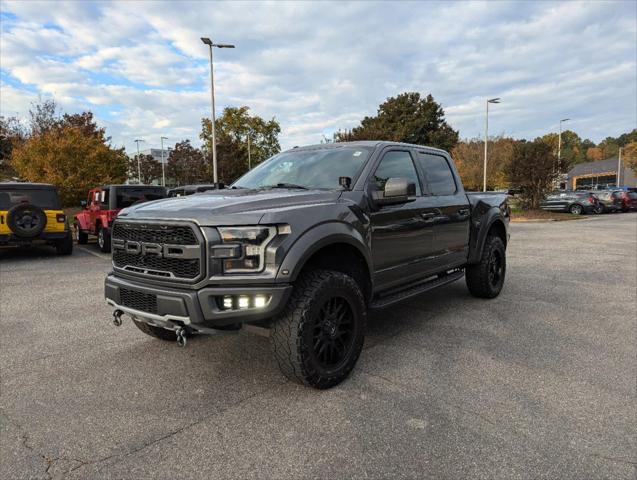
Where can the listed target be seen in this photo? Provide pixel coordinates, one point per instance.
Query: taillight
(591, 199)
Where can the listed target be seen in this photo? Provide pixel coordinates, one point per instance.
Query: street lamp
(208, 42)
(559, 142)
(163, 168)
(139, 167)
(486, 141)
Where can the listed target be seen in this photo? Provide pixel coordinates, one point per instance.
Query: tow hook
(181, 336)
(117, 317)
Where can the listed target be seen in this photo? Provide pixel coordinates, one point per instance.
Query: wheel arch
(494, 224)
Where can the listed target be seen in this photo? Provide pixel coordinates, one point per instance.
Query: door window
(438, 173)
(395, 164)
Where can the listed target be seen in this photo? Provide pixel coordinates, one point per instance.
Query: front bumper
(196, 309)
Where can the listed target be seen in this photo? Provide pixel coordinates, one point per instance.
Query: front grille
(155, 264)
(144, 302)
(166, 234)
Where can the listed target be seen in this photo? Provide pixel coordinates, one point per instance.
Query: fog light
(244, 302)
(227, 303)
(259, 301)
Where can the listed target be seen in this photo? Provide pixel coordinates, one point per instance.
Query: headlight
(243, 248)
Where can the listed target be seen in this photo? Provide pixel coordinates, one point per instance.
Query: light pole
(139, 167)
(486, 141)
(208, 42)
(249, 160)
(559, 142)
(619, 165)
(163, 168)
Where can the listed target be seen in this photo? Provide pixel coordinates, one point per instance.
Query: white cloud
(321, 66)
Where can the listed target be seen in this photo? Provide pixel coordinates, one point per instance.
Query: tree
(12, 135)
(533, 170)
(149, 168)
(594, 153)
(232, 132)
(468, 156)
(629, 156)
(68, 158)
(43, 116)
(406, 118)
(573, 148)
(187, 165)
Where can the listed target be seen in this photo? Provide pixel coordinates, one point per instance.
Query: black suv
(300, 248)
(30, 214)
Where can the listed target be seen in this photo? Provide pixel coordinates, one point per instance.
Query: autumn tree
(408, 118)
(233, 129)
(533, 170)
(187, 165)
(629, 156)
(149, 169)
(12, 135)
(43, 116)
(68, 158)
(468, 156)
(573, 148)
(594, 153)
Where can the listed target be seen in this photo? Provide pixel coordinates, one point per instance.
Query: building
(156, 154)
(600, 174)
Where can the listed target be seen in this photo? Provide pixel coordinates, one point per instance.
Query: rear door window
(130, 196)
(438, 173)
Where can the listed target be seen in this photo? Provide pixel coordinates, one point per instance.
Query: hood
(229, 207)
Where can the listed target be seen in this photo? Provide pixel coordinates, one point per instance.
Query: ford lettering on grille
(157, 251)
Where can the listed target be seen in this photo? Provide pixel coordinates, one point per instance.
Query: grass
(519, 215)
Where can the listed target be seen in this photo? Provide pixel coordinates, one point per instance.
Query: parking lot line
(97, 254)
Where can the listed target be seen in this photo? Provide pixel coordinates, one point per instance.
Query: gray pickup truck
(302, 247)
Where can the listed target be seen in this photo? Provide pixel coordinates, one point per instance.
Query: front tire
(319, 337)
(104, 239)
(486, 279)
(80, 236)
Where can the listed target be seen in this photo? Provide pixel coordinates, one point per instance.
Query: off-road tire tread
(65, 246)
(157, 332)
(107, 240)
(477, 276)
(287, 331)
(82, 236)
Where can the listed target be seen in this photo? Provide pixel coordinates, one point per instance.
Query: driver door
(401, 237)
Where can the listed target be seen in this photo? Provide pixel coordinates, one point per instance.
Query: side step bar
(411, 290)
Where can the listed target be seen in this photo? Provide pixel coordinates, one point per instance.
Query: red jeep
(102, 206)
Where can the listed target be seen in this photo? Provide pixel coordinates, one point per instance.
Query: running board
(416, 289)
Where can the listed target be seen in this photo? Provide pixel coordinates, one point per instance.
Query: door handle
(463, 211)
(428, 216)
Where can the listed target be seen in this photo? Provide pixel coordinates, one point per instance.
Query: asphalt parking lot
(538, 383)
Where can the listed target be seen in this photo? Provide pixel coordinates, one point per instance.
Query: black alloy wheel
(496, 269)
(332, 333)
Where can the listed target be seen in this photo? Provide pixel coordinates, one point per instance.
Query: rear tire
(65, 246)
(576, 209)
(319, 337)
(486, 279)
(104, 239)
(80, 235)
(157, 332)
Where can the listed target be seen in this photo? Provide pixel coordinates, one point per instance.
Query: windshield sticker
(357, 153)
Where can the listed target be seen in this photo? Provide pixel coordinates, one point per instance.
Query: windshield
(319, 168)
(46, 198)
(127, 196)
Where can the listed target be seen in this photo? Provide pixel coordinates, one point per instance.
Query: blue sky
(317, 67)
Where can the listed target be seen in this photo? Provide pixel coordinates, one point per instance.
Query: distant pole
(163, 169)
(559, 143)
(486, 141)
(139, 166)
(619, 164)
(249, 159)
(208, 42)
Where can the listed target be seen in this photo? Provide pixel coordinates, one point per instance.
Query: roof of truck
(364, 143)
(25, 185)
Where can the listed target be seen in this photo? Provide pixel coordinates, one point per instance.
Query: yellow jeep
(30, 213)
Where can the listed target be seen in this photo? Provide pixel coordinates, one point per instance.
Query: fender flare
(82, 221)
(316, 238)
(483, 226)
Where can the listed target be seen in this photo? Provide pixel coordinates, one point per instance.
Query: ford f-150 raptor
(302, 246)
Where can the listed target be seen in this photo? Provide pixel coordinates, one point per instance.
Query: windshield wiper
(286, 185)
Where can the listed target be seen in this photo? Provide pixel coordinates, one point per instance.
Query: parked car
(31, 214)
(102, 206)
(627, 203)
(302, 246)
(574, 202)
(191, 189)
(611, 200)
(631, 200)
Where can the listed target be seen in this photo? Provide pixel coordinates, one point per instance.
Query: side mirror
(397, 190)
(83, 203)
